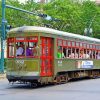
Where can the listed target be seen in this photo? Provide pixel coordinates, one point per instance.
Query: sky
(22, 1)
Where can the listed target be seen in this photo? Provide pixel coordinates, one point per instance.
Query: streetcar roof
(51, 31)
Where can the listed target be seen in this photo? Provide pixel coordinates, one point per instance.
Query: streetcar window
(20, 39)
(59, 42)
(76, 53)
(28, 49)
(86, 52)
(73, 44)
(20, 49)
(60, 53)
(94, 54)
(69, 52)
(32, 49)
(90, 46)
(77, 50)
(61, 50)
(72, 54)
(77, 44)
(81, 54)
(98, 55)
(64, 51)
(80, 44)
(11, 50)
(90, 54)
(84, 45)
(31, 44)
(69, 43)
(10, 47)
(64, 43)
(97, 47)
(32, 39)
(93, 46)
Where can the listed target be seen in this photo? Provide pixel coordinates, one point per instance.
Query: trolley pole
(2, 37)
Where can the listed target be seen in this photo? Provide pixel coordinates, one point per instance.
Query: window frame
(9, 45)
(14, 44)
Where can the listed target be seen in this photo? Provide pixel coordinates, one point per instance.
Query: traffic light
(42, 15)
(7, 28)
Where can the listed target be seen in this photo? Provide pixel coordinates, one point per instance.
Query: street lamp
(88, 31)
(2, 37)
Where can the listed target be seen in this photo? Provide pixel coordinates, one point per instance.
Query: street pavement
(87, 89)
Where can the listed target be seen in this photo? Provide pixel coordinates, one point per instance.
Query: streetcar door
(46, 56)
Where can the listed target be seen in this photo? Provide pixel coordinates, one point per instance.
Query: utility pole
(2, 37)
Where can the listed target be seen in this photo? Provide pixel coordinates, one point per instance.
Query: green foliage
(74, 16)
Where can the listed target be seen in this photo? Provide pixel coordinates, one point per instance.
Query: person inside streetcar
(19, 49)
(28, 51)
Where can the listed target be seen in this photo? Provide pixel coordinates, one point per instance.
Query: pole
(2, 37)
(91, 25)
(45, 16)
(19, 9)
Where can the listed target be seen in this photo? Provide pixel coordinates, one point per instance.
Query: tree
(71, 15)
(74, 16)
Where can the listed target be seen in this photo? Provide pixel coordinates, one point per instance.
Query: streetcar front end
(23, 57)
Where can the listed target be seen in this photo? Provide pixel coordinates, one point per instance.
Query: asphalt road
(76, 90)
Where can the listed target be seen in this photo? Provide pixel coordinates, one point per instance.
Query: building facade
(43, 1)
(97, 1)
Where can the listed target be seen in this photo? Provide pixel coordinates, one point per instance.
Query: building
(43, 1)
(97, 2)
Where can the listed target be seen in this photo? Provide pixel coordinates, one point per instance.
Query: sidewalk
(2, 76)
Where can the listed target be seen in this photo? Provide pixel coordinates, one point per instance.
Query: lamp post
(88, 31)
(2, 37)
